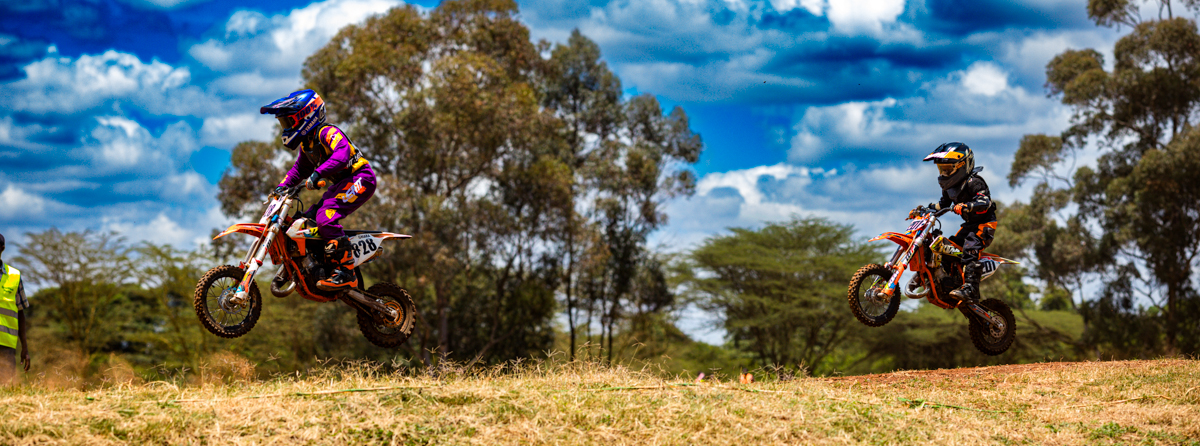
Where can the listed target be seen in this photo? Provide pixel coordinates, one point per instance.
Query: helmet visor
(947, 169)
(287, 122)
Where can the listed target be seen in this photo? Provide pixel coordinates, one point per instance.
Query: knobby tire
(389, 337)
(203, 306)
(981, 331)
(853, 292)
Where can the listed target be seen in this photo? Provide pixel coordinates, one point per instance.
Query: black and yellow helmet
(955, 161)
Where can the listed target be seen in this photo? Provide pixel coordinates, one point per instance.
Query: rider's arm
(982, 197)
(340, 149)
(299, 171)
(945, 202)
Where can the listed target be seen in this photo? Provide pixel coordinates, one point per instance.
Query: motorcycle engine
(312, 266)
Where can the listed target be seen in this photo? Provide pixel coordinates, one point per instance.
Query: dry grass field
(1139, 402)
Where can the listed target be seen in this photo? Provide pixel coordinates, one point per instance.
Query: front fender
(253, 229)
(901, 239)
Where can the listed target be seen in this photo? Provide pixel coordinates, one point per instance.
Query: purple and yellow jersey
(331, 154)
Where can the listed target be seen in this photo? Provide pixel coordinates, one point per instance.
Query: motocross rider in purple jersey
(325, 152)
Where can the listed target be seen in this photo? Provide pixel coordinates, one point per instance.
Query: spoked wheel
(867, 301)
(389, 333)
(214, 307)
(987, 338)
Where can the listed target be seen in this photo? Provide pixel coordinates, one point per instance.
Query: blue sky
(120, 114)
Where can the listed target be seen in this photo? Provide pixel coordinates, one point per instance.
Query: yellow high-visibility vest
(8, 306)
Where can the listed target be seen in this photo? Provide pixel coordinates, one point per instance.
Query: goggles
(289, 121)
(947, 169)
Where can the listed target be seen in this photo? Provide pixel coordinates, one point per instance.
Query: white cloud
(745, 182)
(119, 144)
(66, 86)
(849, 124)
(226, 131)
(985, 78)
(16, 203)
(865, 16)
(279, 44)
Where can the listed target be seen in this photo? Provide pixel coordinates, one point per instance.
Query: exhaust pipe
(280, 278)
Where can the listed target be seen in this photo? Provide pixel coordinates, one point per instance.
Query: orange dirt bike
(933, 258)
(227, 300)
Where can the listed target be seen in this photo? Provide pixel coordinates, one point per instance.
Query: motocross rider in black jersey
(965, 190)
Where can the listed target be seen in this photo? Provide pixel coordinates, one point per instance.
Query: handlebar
(294, 191)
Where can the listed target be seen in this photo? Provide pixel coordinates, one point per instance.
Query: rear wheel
(389, 334)
(987, 338)
(867, 301)
(212, 303)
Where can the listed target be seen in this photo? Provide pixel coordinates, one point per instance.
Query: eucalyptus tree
(1142, 195)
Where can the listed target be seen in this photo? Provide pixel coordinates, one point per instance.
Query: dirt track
(999, 373)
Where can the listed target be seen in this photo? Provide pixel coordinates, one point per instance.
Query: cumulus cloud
(17, 203)
(66, 86)
(278, 44)
(985, 78)
(226, 131)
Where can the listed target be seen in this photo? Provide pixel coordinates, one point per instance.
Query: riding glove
(311, 182)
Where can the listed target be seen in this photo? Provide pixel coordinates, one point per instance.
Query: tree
(521, 178)
(84, 275)
(782, 288)
(585, 96)
(1141, 194)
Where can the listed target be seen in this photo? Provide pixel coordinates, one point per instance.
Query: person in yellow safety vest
(12, 320)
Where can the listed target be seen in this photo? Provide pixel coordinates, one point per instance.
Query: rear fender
(368, 246)
(998, 259)
(990, 263)
(253, 229)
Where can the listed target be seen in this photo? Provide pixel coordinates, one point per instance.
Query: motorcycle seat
(352, 233)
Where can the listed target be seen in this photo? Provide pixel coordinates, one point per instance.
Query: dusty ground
(1138, 402)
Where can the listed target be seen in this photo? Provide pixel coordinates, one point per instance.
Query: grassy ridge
(1150, 402)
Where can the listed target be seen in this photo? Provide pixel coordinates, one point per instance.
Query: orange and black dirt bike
(934, 260)
(227, 300)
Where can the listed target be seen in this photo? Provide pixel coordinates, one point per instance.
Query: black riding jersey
(974, 193)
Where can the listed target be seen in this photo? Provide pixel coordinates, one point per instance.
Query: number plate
(272, 207)
(365, 247)
(915, 225)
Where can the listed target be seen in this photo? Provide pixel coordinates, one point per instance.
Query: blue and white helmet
(299, 113)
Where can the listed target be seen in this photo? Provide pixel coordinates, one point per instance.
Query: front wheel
(216, 312)
(993, 340)
(389, 334)
(867, 301)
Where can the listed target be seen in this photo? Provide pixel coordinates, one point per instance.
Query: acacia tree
(1142, 193)
(84, 275)
(782, 288)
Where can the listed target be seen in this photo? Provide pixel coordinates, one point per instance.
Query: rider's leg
(341, 200)
(973, 243)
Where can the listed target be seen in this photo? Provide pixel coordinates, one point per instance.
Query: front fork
(900, 261)
(255, 260)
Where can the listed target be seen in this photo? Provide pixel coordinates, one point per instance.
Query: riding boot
(337, 252)
(970, 288)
